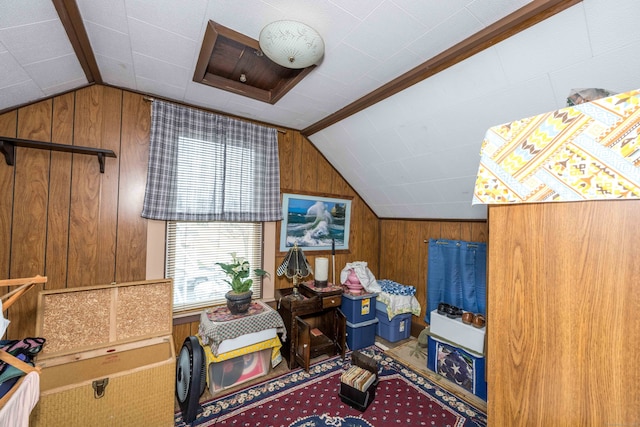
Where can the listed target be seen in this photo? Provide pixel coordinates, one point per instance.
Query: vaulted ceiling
(400, 102)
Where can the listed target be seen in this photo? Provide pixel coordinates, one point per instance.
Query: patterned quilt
(590, 151)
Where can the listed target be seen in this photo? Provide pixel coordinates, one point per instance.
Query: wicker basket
(109, 357)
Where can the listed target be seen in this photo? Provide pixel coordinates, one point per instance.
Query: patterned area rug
(403, 397)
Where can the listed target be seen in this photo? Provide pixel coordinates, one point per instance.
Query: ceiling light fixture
(291, 44)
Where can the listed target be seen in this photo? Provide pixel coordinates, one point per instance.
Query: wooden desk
(317, 309)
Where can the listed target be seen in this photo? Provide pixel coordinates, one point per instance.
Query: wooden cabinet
(315, 325)
(563, 324)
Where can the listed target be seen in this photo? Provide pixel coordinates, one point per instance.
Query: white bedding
(399, 304)
(246, 340)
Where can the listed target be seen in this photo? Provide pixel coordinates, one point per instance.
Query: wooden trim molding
(72, 23)
(523, 18)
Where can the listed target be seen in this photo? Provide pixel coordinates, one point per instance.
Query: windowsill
(183, 317)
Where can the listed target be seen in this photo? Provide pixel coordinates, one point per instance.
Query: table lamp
(296, 267)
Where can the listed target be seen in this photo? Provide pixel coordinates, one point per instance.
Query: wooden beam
(72, 21)
(523, 18)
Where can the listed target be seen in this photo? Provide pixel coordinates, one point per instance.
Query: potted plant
(238, 271)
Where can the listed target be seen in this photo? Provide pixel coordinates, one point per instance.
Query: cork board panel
(95, 317)
(75, 319)
(144, 311)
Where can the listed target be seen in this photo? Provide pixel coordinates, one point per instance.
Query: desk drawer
(331, 301)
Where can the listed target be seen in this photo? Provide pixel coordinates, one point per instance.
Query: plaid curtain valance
(207, 167)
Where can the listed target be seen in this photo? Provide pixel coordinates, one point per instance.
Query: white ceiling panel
(389, 145)
(155, 69)
(36, 42)
(65, 86)
(358, 8)
(156, 86)
(20, 93)
(55, 73)
(395, 66)
(155, 42)
(557, 43)
(454, 210)
(612, 24)
(111, 14)
(457, 189)
(245, 17)
(432, 12)
(446, 34)
(398, 195)
(186, 20)
(506, 106)
(490, 11)
(597, 72)
(386, 30)
(425, 191)
(117, 72)
(109, 42)
(348, 64)
(199, 94)
(458, 159)
(15, 14)
(374, 194)
(12, 71)
(478, 75)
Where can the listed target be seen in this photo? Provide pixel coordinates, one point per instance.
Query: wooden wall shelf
(8, 147)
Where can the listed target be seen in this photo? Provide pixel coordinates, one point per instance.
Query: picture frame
(315, 223)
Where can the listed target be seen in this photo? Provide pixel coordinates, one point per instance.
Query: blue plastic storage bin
(458, 366)
(360, 335)
(396, 329)
(359, 308)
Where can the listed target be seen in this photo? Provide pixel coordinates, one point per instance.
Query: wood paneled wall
(404, 252)
(59, 216)
(563, 325)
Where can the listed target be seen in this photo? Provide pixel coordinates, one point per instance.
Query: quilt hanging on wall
(589, 151)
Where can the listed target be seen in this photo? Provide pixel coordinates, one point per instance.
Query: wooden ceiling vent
(234, 62)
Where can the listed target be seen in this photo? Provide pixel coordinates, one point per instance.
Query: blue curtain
(457, 275)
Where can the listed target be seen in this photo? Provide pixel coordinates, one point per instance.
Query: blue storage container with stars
(458, 366)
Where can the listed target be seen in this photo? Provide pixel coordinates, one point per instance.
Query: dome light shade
(291, 44)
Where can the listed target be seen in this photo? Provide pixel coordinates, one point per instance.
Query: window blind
(194, 248)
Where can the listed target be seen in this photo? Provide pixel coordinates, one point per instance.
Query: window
(193, 248)
(215, 180)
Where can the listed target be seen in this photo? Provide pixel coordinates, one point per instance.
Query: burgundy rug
(403, 398)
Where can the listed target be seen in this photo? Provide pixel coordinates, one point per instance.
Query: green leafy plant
(238, 272)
